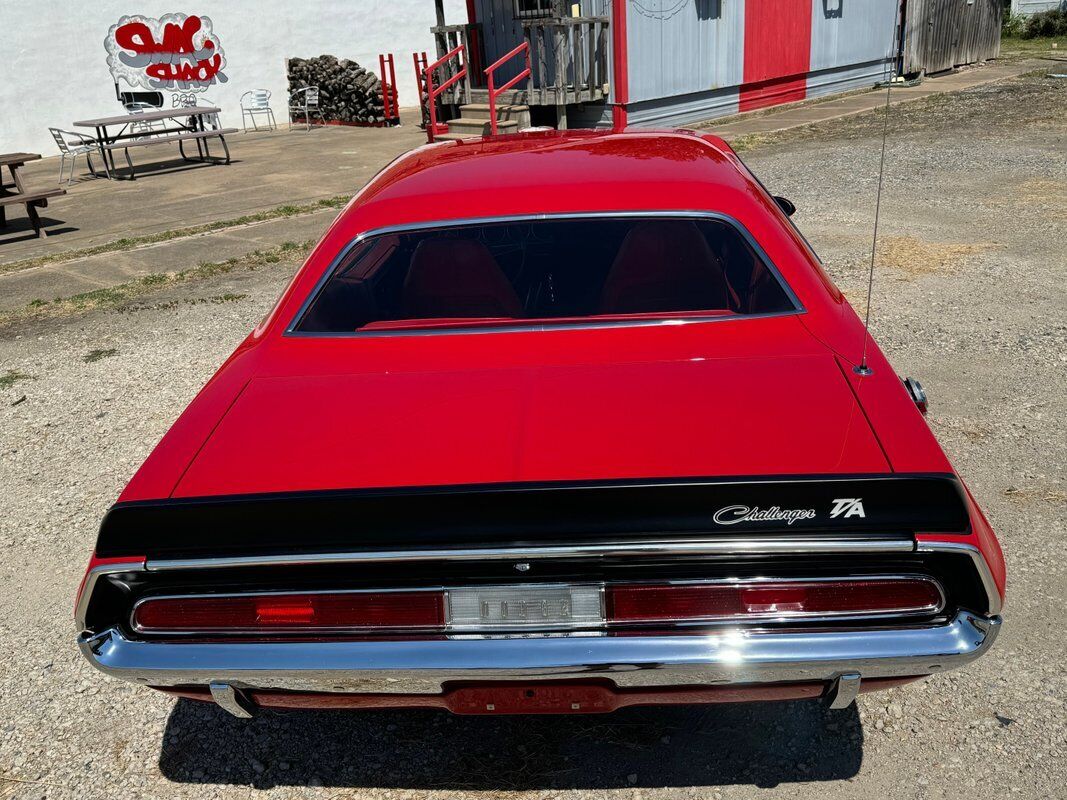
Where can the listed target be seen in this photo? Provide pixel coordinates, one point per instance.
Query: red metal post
(420, 81)
(620, 79)
(392, 83)
(384, 82)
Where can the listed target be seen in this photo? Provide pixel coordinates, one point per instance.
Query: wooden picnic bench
(190, 126)
(32, 199)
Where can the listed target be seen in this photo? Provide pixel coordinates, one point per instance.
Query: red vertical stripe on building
(620, 78)
(777, 52)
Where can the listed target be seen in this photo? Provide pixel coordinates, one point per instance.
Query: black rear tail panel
(494, 515)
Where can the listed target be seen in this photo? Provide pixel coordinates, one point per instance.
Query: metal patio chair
(144, 128)
(305, 101)
(72, 145)
(257, 101)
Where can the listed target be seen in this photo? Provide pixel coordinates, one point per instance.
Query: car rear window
(574, 270)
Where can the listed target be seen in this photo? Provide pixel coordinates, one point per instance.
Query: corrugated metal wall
(851, 46)
(501, 32)
(696, 59)
(942, 34)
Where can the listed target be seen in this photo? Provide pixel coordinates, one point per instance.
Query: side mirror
(786, 205)
(917, 394)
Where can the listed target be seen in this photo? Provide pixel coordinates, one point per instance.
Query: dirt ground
(969, 297)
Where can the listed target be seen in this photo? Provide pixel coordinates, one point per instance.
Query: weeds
(99, 354)
(13, 376)
(133, 242)
(115, 296)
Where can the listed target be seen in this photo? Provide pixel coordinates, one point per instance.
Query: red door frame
(620, 78)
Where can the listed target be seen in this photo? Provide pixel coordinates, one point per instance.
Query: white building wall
(54, 68)
(1034, 6)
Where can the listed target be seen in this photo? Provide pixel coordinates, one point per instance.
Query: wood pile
(347, 91)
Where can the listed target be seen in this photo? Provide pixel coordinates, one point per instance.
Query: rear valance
(520, 514)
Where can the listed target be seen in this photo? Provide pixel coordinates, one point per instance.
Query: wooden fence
(942, 34)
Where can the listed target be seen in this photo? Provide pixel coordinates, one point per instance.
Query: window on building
(537, 9)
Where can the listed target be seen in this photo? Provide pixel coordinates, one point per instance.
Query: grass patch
(99, 354)
(13, 376)
(751, 141)
(911, 257)
(133, 242)
(1040, 44)
(116, 296)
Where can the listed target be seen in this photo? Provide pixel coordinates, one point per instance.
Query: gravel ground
(969, 297)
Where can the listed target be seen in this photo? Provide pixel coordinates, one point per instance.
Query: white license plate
(527, 606)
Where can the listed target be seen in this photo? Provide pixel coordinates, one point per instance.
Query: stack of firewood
(347, 91)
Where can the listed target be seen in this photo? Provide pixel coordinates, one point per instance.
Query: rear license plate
(530, 606)
(539, 698)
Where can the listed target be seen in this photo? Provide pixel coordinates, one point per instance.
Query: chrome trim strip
(424, 666)
(666, 319)
(450, 626)
(709, 547)
(91, 579)
(985, 575)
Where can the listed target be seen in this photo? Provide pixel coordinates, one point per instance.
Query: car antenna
(863, 369)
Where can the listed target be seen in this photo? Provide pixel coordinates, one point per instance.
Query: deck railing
(571, 61)
(458, 72)
(495, 92)
(449, 37)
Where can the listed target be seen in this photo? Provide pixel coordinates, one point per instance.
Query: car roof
(551, 172)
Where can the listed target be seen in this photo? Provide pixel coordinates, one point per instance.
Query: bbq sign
(175, 51)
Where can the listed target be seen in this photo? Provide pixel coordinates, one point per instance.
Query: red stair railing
(432, 93)
(420, 65)
(390, 106)
(494, 92)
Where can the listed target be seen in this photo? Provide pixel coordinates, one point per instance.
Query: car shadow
(760, 744)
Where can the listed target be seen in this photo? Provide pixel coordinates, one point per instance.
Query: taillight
(771, 600)
(273, 613)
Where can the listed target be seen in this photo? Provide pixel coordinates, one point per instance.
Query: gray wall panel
(683, 109)
(845, 32)
(845, 79)
(501, 33)
(1034, 6)
(680, 47)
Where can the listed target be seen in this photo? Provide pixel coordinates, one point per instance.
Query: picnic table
(32, 199)
(189, 125)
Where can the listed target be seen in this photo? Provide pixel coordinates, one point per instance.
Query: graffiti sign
(175, 51)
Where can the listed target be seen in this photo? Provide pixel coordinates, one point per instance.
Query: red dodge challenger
(559, 422)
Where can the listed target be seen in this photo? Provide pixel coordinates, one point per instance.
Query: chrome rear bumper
(425, 666)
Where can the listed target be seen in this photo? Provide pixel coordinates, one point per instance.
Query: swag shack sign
(175, 52)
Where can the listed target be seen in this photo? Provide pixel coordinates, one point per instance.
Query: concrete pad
(66, 278)
(269, 169)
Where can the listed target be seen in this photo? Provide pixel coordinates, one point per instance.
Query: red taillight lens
(695, 602)
(289, 612)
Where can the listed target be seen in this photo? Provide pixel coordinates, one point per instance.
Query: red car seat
(665, 265)
(457, 278)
